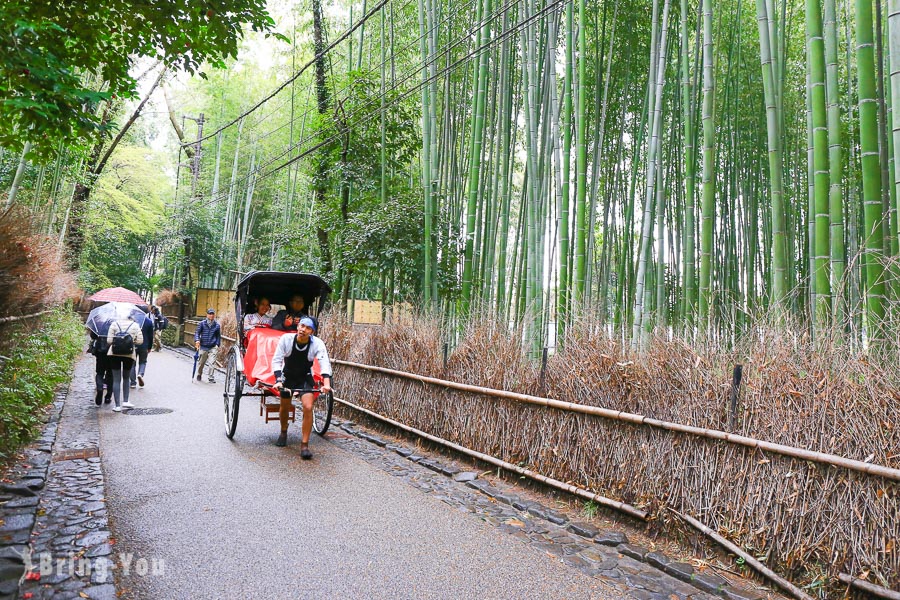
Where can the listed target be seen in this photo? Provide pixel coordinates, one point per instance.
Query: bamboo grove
(683, 166)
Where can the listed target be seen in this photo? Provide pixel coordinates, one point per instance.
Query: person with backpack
(123, 338)
(143, 350)
(207, 339)
(160, 322)
(102, 373)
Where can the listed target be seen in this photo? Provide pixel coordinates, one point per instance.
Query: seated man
(293, 367)
(259, 318)
(287, 319)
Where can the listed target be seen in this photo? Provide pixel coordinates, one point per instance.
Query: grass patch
(39, 357)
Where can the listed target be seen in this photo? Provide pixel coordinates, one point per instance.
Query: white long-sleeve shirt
(315, 350)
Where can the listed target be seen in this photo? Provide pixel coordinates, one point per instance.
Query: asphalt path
(246, 519)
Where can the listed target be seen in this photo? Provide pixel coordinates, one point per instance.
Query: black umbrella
(196, 358)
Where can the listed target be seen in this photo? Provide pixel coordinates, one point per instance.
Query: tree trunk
(94, 168)
(322, 104)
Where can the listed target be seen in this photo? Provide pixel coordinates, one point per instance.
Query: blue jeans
(140, 367)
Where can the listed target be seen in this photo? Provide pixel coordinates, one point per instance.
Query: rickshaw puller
(292, 365)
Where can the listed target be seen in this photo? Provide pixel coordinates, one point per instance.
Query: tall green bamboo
(474, 173)
(894, 52)
(581, 207)
(835, 163)
(657, 86)
(708, 176)
(429, 249)
(821, 165)
(873, 215)
(565, 188)
(776, 164)
(689, 165)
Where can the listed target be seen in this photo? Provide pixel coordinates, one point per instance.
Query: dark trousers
(103, 375)
(120, 367)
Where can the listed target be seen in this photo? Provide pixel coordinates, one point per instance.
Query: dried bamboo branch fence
(587, 495)
(819, 457)
(809, 520)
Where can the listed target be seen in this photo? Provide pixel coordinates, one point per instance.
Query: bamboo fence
(830, 507)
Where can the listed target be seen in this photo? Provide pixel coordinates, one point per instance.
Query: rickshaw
(248, 370)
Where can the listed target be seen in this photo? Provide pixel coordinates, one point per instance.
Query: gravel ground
(245, 519)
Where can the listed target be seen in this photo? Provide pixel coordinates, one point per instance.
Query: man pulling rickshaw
(293, 366)
(280, 367)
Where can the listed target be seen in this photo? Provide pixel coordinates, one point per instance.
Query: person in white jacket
(121, 357)
(292, 365)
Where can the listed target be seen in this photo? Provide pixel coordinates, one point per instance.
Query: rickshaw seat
(261, 344)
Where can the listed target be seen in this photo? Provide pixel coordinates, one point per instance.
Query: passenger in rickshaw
(259, 318)
(293, 365)
(287, 319)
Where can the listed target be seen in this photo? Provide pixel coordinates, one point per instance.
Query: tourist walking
(207, 339)
(160, 322)
(102, 372)
(123, 338)
(142, 351)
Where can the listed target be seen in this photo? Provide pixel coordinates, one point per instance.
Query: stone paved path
(69, 542)
(196, 515)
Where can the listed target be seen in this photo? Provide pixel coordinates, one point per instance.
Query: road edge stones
(20, 498)
(64, 507)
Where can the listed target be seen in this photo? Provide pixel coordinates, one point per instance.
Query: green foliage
(51, 52)
(39, 359)
(125, 219)
(590, 509)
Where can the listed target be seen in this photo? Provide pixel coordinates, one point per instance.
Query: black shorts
(299, 383)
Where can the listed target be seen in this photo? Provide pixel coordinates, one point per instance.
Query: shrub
(32, 272)
(38, 359)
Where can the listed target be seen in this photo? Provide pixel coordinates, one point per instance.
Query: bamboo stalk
(23, 317)
(800, 453)
(871, 588)
(760, 568)
(620, 506)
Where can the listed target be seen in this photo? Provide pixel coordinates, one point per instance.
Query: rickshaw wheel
(232, 396)
(322, 409)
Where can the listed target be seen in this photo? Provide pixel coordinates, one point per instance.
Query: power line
(343, 36)
(425, 81)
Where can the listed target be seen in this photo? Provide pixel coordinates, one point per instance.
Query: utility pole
(194, 166)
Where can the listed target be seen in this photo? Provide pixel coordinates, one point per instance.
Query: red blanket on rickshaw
(261, 344)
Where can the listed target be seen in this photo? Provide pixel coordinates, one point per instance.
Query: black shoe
(282, 440)
(98, 398)
(305, 454)
(107, 400)
(199, 378)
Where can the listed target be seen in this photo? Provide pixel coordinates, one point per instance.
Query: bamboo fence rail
(582, 493)
(761, 568)
(24, 317)
(819, 457)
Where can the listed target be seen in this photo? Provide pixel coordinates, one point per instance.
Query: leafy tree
(124, 222)
(58, 61)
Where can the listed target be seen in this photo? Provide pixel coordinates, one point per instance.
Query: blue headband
(308, 322)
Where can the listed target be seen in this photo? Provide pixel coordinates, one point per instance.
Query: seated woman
(259, 318)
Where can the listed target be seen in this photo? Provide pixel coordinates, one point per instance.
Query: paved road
(245, 519)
